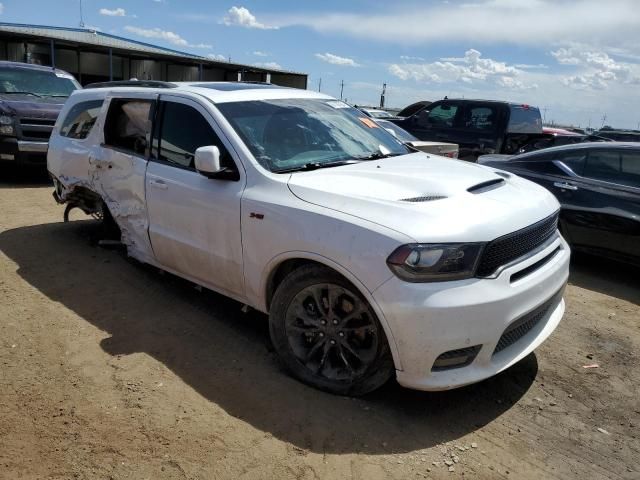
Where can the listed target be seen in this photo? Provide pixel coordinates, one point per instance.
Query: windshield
(289, 133)
(36, 82)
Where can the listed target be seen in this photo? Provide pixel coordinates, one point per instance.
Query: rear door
(477, 129)
(194, 221)
(608, 193)
(117, 167)
(435, 122)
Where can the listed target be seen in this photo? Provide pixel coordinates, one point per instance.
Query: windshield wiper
(316, 165)
(57, 95)
(21, 93)
(376, 156)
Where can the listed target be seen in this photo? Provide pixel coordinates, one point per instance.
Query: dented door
(118, 168)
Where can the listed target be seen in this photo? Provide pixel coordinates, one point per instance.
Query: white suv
(369, 257)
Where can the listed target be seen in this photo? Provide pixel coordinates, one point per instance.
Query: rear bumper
(23, 152)
(431, 321)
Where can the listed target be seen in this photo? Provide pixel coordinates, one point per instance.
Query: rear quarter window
(81, 119)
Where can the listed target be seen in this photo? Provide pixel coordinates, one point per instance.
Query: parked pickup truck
(31, 97)
(479, 127)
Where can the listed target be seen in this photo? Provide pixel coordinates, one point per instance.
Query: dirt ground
(112, 370)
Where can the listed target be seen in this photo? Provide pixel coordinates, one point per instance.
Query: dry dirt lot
(112, 370)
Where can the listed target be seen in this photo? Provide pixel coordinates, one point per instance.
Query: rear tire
(327, 335)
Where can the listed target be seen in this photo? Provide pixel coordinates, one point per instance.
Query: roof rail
(133, 83)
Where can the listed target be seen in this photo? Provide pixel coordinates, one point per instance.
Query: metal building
(94, 56)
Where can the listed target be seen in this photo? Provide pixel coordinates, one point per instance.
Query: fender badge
(259, 216)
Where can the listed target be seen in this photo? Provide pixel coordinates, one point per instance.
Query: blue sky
(578, 60)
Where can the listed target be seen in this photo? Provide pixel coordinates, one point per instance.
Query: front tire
(327, 335)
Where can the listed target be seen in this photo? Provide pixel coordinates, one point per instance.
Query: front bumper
(429, 319)
(23, 152)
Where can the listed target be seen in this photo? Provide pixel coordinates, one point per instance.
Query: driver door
(194, 221)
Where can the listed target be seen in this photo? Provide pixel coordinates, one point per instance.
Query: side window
(479, 118)
(182, 131)
(603, 165)
(541, 164)
(80, 119)
(439, 116)
(630, 168)
(128, 125)
(574, 160)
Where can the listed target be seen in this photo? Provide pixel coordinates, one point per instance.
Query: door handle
(565, 186)
(158, 184)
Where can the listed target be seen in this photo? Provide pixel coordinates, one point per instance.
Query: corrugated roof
(97, 38)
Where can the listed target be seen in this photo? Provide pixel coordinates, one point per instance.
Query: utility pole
(384, 90)
(319, 84)
(341, 88)
(544, 114)
(81, 19)
(604, 119)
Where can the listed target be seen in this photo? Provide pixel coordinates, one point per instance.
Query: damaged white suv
(369, 257)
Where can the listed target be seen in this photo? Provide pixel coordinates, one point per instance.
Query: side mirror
(207, 161)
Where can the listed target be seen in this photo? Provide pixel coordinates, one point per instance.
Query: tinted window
(183, 130)
(539, 164)
(128, 125)
(631, 163)
(603, 165)
(524, 119)
(441, 116)
(573, 160)
(613, 166)
(480, 118)
(80, 119)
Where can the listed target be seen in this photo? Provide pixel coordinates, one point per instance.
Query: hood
(31, 107)
(428, 198)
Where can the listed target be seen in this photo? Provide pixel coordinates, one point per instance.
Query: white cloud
(273, 65)
(595, 69)
(217, 57)
(472, 68)
(1, 8)
(166, 35)
(116, 12)
(242, 17)
(337, 60)
(519, 22)
(258, 53)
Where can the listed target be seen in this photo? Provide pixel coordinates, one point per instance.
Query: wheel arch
(280, 266)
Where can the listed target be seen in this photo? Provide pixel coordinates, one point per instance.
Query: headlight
(6, 130)
(435, 262)
(6, 120)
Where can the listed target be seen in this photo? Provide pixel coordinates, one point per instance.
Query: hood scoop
(486, 186)
(425, 198)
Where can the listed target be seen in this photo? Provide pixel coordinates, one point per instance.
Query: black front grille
(37, 121)
(505, 249)
(36, 128)
(520, 327)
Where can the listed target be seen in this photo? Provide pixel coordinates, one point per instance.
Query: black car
(477, 126)
(31, 97)
(598, 186)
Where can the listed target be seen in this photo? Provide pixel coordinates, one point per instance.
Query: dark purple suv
(31, 97)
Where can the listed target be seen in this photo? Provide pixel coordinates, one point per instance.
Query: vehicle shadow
(225, 355)
(11, 177)
(605, 276)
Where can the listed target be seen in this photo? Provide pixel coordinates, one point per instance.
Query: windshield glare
(35, 81)
(288, 133)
